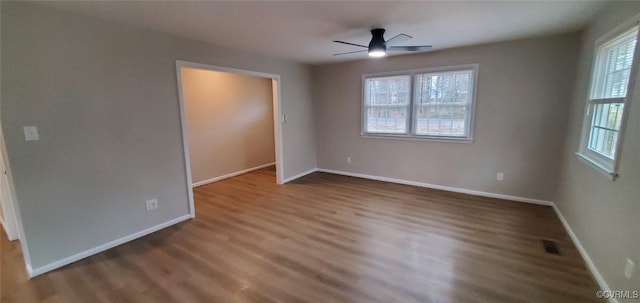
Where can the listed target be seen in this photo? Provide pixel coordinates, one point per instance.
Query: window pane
(442, 103)
(614, 66)
(441, 120)
(387, 119)
(387, 90)
(605, 126)
(387, 104)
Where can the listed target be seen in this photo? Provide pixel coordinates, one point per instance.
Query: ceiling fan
(378, 47)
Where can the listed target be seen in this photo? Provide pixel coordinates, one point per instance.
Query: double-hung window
(609, 92)
(424, 104)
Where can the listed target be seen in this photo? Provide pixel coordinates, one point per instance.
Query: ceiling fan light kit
(378, 47)
(377, 53)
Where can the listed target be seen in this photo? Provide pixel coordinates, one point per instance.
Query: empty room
(319, 151)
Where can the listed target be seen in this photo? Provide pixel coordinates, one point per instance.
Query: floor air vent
(551, 247)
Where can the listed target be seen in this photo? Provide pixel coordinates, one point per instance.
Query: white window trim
(606, 166)
(410, 120)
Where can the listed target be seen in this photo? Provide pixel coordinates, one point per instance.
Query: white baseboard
(244, 171)
(587, 259)
(300, 175)
(439, 187)
(98, 249)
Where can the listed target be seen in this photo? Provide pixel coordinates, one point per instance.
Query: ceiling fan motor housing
(377, 40)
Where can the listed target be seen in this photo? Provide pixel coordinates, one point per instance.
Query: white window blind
(613, 66)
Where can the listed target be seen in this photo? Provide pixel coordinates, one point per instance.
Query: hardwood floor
(326, 238)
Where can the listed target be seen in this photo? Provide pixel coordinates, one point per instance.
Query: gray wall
(104, 97)
(523, 97)
(604, 214)
(229, 118)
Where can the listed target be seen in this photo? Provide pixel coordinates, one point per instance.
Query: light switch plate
(31, 133)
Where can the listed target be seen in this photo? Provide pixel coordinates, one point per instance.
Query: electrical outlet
(349, 160)
(31, 133)
(629, 269)
(500, 176)
(152, 204)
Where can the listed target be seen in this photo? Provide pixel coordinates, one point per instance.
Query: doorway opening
(230, 121)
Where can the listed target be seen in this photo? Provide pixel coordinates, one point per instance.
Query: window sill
(418, 138)
(612, 175)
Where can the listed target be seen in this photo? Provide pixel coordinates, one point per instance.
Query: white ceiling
(303, 31)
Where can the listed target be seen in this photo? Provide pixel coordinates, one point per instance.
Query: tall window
(425, 104)
(613, 65)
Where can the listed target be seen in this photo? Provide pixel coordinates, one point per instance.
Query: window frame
(595, 159)
(411, 117)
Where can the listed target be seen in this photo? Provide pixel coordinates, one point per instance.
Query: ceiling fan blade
(360, 51)
(413, 48)
(398, 39)
(348, 43)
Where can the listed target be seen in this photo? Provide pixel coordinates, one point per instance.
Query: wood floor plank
(325, 238)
